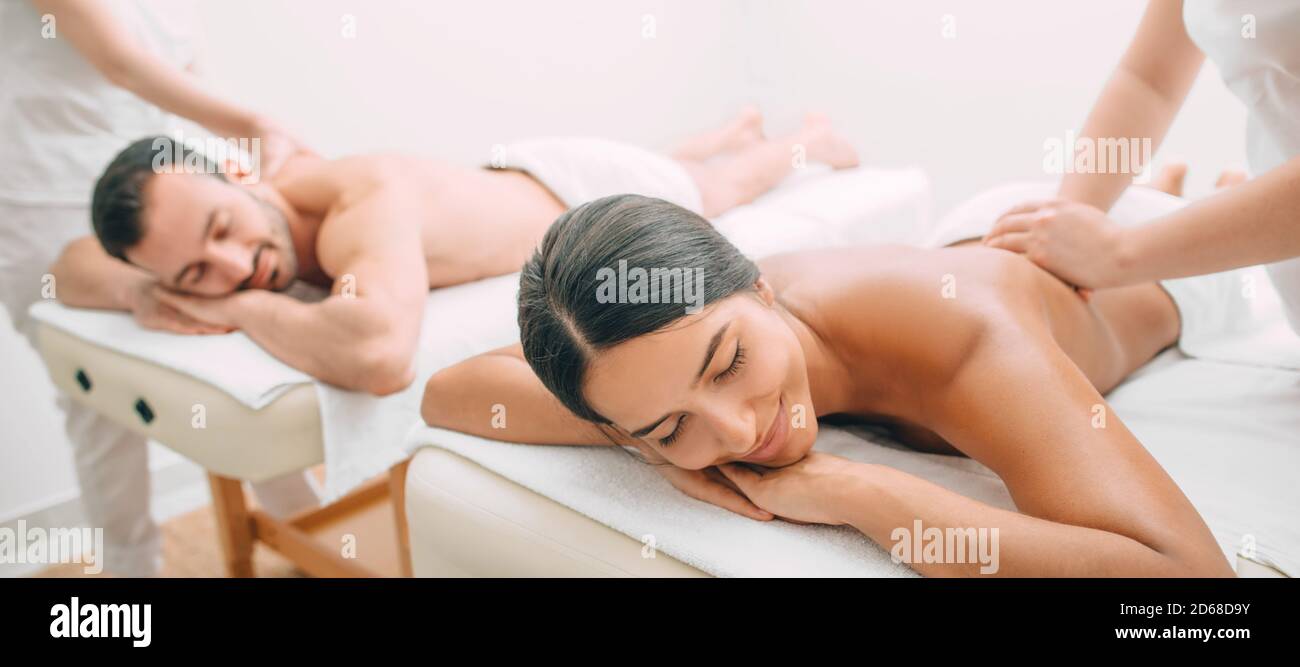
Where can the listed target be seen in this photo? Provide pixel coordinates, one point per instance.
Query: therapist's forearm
(95, 32)
(180, 93)
(1257, 222)
(1139, 100)
(1128, 107)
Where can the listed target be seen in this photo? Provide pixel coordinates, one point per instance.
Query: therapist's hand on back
(1076, 242)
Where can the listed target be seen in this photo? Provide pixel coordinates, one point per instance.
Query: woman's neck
(830, 382)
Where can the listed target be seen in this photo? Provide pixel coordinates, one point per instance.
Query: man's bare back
(472, 223)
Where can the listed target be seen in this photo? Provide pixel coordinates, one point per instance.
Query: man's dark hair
(118, 203)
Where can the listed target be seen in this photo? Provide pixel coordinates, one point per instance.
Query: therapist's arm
(96, 33)
(1256, 222)
(1140, 99)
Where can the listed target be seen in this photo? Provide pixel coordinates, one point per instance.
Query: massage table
(1225, 426)
(263, 419)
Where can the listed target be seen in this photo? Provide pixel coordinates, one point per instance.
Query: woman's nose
(736, 430)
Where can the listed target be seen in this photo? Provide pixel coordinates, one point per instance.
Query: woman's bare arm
(496, 395)
(1092, 500)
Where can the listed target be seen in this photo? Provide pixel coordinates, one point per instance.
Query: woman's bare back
(883, 298)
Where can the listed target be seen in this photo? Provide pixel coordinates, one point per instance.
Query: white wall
(450, 79)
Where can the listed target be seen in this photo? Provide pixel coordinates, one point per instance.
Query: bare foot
(1229, 178)
(1171, 178)
(745, 130)
(824, 144)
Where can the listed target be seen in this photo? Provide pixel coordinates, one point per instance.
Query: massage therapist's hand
(806, 491)
(277, 146)
(152, 313)
(712, 487)
(1076, 242)
(222, 312)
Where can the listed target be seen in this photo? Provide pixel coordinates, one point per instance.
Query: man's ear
(765, 291)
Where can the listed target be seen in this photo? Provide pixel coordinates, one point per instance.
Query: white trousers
(112, 463)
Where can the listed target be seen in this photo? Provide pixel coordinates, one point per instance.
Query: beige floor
(190, 549)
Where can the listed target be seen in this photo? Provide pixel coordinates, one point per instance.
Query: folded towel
(580, 169)
(231, 362)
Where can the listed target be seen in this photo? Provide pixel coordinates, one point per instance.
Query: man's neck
(303, 230)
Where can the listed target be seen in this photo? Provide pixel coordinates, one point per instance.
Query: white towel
(611, 487)
(1225, 433)
(580, 169)
(231, 362)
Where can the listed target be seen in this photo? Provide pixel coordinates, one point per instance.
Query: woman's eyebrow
(642, 432)
(713, 348)
(708, 359)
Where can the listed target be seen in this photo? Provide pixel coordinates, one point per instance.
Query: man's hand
(1076, 242)
(222, 312)
(152, 313)
(712, 487)
(805, 491)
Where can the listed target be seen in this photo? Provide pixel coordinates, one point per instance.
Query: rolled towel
(580, 169)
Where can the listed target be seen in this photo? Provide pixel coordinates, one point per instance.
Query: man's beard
(281, 242)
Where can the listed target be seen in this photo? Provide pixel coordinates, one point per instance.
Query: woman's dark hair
(562, 320)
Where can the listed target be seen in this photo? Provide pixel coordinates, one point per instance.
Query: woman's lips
(775, 440)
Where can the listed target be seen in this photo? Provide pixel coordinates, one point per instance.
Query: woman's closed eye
(737, 362)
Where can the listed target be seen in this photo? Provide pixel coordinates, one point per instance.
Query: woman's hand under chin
(806, 491)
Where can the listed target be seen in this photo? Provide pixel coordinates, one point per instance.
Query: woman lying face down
(962, 350)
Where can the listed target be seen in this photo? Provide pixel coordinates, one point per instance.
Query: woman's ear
(765, 291)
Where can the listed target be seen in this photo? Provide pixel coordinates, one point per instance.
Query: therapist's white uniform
(61, 123)
(1263, 71)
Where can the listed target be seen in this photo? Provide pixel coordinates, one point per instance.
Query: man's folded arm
(87, 277)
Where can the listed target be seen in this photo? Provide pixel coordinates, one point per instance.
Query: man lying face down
(192, 251)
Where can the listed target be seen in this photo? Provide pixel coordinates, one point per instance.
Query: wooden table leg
(234, 524)
(397, 494)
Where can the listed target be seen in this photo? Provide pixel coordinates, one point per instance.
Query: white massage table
(1228, 434)
(263, 420)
